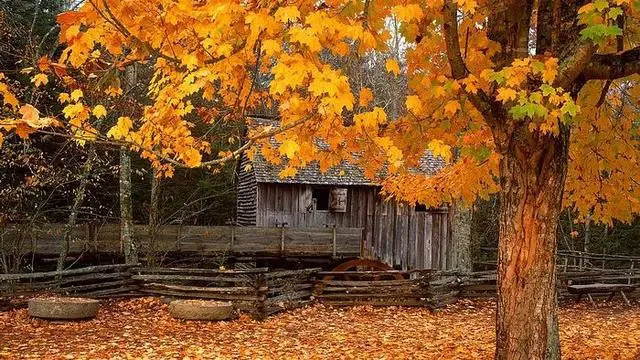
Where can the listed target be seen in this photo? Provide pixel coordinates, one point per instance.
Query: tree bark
(462, 237)
(126, 213)
(77, 204)
(533, 171)
(154, 219)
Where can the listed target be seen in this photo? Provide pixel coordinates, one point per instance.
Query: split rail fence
(262, 292)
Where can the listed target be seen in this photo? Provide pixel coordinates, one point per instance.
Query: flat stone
(63, 308)
(201, 310)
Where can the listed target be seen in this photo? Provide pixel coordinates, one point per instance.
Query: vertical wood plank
(412, 244)
(435, 241)
(370, 222)
(419, 219)
(445, 243)
(428, 226)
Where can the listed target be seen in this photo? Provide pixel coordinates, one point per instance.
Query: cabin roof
(343, 174)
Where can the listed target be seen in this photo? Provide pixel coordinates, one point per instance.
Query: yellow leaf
(550, 70)
(392, 66)
(191, 157)
(467, 5)
(7, 96)
(224, 50)
(71, 110)
(451, 108)
(289, 148)
(40, 79)
(190, 61)
(370, 119)
(63, 98)
(506, 94)
(306, 37)
(288, 172)
(76, 95)
(287, 13)
(72, 32)
(414, 104)
(366, 95)
(407, 13)
(271, 47)
(470, 84)
(121, 129)
(438, 148)
(99, 111)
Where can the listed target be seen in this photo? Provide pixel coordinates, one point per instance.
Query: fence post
(333, 234)
(233, 237)
(261, 291)
(282, 241)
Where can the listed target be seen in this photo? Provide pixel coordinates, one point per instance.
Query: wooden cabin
(402, 235)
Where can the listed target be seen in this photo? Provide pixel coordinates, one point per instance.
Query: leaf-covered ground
(142, 328)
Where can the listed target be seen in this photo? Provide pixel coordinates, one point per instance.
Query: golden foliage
(205, 54)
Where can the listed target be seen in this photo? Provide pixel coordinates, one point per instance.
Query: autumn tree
(537, 100)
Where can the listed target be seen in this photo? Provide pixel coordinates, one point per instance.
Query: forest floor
(142, 328)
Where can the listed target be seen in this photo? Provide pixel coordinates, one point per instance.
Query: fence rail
(262, 292)
(206, 240)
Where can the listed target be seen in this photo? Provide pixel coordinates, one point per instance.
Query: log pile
(94, 281)
(378, 288)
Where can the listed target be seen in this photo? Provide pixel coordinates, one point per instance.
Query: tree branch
(487, 107)
(572, 65)
(613, 66)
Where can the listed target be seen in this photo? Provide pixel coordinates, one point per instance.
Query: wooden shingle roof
(343, 174)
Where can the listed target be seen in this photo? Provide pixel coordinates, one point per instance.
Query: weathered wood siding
(246, 195)
(292, 205)
(392, 232)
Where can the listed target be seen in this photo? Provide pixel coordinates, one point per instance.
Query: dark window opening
(421, 208)
(321, 198)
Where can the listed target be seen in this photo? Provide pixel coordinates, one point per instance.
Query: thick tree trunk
(126, 213)
(533, 170)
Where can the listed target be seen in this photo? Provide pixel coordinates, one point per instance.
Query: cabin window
(421, 208)
(321, 198)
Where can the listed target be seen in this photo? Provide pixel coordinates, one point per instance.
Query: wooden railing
(205, 240)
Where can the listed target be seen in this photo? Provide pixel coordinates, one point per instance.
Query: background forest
(39, 177)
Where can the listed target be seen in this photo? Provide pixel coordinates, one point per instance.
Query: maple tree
(533, 100)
